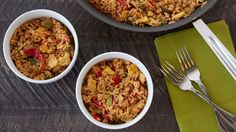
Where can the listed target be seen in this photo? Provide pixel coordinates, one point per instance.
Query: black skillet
(103, 17)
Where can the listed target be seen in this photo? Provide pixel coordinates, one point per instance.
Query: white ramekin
(109, 56)
(32, 15)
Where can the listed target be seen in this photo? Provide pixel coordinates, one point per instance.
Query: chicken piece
(52, 61)
(178, 16)
(43, 32)
(142, 78)
(92, 83)
(64, 60)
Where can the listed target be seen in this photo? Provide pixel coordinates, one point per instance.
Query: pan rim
(106, 19)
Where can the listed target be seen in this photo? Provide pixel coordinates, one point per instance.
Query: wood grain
(27, 107)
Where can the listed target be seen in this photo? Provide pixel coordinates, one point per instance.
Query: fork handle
(202, 87)
(229, 118)
(221, 121)
(222, 124)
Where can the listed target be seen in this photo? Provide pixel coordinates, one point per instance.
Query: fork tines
(185, 59)
(171, 73)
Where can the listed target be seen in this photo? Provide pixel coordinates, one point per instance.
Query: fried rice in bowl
(40, 46)
(114, 90)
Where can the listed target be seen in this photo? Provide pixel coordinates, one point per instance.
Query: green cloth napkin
(192, 113)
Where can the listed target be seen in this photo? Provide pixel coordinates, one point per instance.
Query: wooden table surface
(28, 107)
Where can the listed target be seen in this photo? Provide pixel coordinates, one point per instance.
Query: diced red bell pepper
(33, 52)
(95, 102)
(152, 5)
(99, 73)
(105, 112)
(153, 2)
(116, 79)
(113, 67)
(122, 2)
(97, 117)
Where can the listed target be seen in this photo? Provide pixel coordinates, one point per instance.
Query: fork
(181, 81)
(191, 71)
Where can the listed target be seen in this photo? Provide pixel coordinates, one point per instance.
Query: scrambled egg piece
(132, 69)
(52, 61)
(91, 83)
(64, 60)
(108, 70)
